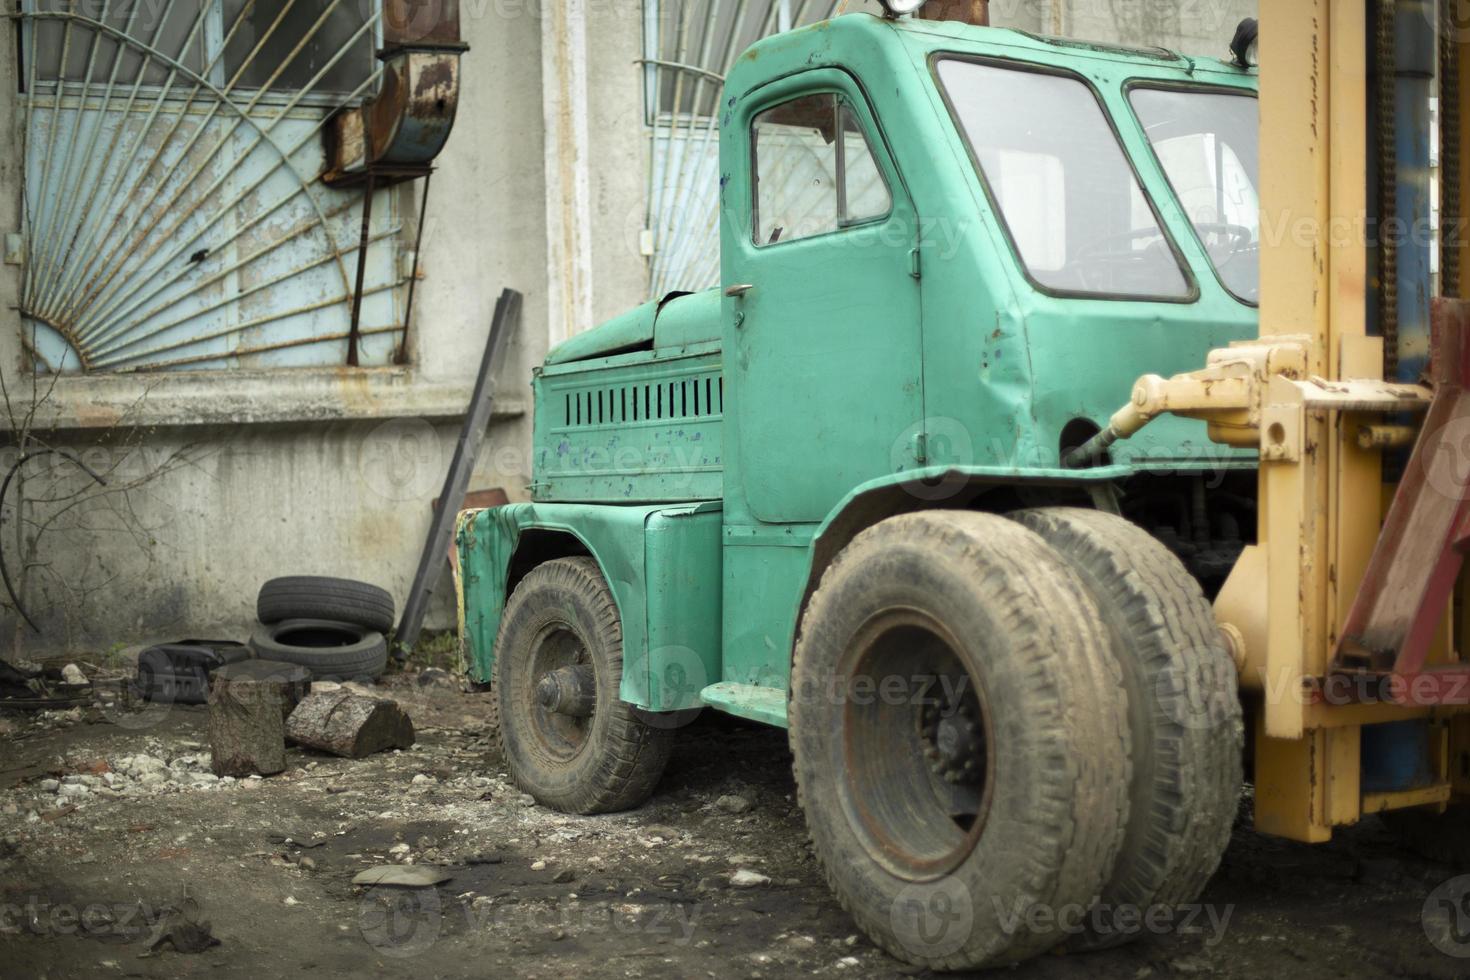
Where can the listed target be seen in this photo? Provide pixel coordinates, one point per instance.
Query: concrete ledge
(247, 397)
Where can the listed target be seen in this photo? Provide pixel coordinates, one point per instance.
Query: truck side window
(813, 169)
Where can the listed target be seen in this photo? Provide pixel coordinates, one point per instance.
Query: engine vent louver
(689, 398)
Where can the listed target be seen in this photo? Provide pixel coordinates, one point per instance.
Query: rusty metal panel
(1411, 576)
(411, 120)
(397, 135)
(420, 22)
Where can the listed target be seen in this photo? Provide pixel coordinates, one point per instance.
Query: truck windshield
(1066, 191)
(1206, 143)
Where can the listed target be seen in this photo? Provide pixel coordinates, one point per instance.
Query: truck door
(822, 298)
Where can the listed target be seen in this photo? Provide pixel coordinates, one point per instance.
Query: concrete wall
(331, 471)
(1194, 28)
(327, 471)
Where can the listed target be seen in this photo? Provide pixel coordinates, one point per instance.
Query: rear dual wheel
(959, 739)
(1011, 735)
(1184, 714)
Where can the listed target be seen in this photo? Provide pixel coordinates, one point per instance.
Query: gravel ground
(117, 839)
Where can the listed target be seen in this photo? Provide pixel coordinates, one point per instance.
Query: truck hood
(677, 320)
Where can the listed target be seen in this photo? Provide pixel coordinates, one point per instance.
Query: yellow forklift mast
(1347, 619)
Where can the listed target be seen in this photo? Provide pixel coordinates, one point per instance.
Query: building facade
(179, 299)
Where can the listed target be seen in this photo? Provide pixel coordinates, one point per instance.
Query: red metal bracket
(1421, 548)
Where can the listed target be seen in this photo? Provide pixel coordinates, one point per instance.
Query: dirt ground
(89, 869)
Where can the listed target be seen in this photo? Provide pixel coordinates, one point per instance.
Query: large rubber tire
(330, 650)
(1055, 745)
(339, 600)
(612, 760)
(1183, 711)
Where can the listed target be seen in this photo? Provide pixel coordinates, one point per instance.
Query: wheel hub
(570, 690)
(954, 743)
(914, 775)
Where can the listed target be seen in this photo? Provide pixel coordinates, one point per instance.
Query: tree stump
(348, 724)
(248, 705)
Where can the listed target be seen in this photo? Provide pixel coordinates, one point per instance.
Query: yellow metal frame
(1319, 506)
(1310, 395)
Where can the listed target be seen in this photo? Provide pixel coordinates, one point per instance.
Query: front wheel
(564, 732)
(960, 740)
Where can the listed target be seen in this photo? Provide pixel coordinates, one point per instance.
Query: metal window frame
(1193, 293)
(112, 324)
(214, 28)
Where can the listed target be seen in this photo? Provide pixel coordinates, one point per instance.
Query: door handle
(739, 290)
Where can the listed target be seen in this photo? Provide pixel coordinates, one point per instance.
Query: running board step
(763, 704)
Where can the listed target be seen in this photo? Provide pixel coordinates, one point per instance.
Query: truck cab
(946, 253)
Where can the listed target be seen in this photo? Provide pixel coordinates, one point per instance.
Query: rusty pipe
(973, 12)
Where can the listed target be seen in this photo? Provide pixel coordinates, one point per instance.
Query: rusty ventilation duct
(397, 135)
(976, 12)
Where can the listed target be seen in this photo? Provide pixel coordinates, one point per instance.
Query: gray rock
(72, 674)
(434, 677)
(733, 804)
(1191, 964)
(72, 790)
(415, 877)
(50, 785)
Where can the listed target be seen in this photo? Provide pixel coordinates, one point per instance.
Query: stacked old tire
(336, 628)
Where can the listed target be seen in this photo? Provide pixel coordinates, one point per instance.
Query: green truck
(833, 494)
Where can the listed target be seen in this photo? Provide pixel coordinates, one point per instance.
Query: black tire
(339, 600)
(950, 883)
(1183, 709)
(330, 650)
(562, 614)
(1438, 837)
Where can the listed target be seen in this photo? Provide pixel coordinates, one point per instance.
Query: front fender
(645, 553)
(952, 486)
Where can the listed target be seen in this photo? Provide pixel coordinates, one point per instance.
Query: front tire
(959, 740)
(562, 728)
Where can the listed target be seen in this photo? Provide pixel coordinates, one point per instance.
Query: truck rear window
(1067, 194)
